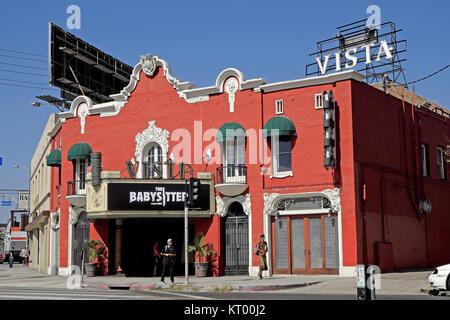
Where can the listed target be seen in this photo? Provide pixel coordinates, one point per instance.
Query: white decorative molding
(247, 205)
(220, 207)
(311, 81)
(145, 139)
(55, 220)
(74, 214)
(151, 134)
(269, 199)
(202, 94)
(108, 109)
(334, 196)
(231, 86)
(148, 65)
(83, 111)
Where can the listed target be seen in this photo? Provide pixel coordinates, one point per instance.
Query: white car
(440, 278)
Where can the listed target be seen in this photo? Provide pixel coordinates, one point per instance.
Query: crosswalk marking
(33, 293)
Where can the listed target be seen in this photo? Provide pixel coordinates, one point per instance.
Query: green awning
(79, 151)
(54, 158)
(281, 126)
(230, 131)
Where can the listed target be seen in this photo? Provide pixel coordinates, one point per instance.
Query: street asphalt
(20, 282)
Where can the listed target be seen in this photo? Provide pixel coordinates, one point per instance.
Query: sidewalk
(398, 283)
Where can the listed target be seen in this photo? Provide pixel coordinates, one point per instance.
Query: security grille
(315, 242)
(236, 245)
(281, 240)
(80, 239)
(298, 243)
(331, 242)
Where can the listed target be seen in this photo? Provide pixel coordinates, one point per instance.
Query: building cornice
(312, 81)
(185, 89)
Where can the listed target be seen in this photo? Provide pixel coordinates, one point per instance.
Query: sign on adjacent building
(22, 203)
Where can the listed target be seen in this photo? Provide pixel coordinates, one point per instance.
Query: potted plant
(201, 250)
(94, 252)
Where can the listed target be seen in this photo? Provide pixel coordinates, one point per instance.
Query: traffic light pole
(186, 262)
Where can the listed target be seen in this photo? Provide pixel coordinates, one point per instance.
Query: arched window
(154, 160)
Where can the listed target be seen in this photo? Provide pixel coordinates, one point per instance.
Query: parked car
(440, 278)
(2, 257)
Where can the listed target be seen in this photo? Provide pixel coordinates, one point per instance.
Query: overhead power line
(429, 76)
(21, 72)
(23, 81)
(21, 52)
(424, 78)
(23, 86)
(22, 58)
(23, 66)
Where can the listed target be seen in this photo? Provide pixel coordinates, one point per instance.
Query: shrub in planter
(201, 251)
(95, 247)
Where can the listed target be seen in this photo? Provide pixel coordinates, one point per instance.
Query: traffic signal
(194, 192)
(329, 143)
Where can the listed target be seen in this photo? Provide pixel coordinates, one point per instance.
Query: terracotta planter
(90, 269)
(201, 269)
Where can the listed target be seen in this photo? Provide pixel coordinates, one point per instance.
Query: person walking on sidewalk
(157, 257)
(24, 256)
(168, 254)
(262, 250)
(11, 258)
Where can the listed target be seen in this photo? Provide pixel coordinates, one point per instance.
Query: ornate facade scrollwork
(148, 65)
(269, 199)
(247, 205)
(334, 196)
(220, 207)
(74, 214)
(329, 198)
(152, 134)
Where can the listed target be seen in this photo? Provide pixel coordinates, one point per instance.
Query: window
(441, 163)
(154, 160)
(234, 157)
(281, 155)
(81, 172)
(318, 99)
(425, 166)
(279, 107)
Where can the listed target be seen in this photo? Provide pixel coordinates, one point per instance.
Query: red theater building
(384, 200)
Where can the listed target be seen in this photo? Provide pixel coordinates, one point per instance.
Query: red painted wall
(388, 161)
(369, 151)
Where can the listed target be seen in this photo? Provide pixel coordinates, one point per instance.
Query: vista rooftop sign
(352, 60)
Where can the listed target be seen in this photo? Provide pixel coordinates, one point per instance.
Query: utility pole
(186, 212)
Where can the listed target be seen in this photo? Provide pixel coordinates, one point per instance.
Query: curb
(210, 288)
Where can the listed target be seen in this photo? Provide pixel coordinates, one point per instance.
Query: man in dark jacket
(168, 254)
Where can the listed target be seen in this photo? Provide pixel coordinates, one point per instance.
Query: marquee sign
(153, 196)
(131, 198)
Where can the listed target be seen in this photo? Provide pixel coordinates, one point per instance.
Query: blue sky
(268, 39)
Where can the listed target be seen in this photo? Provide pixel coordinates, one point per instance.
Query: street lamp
(37, 104)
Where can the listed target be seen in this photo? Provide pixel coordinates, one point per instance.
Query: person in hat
(169, 255)
(262, 251)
